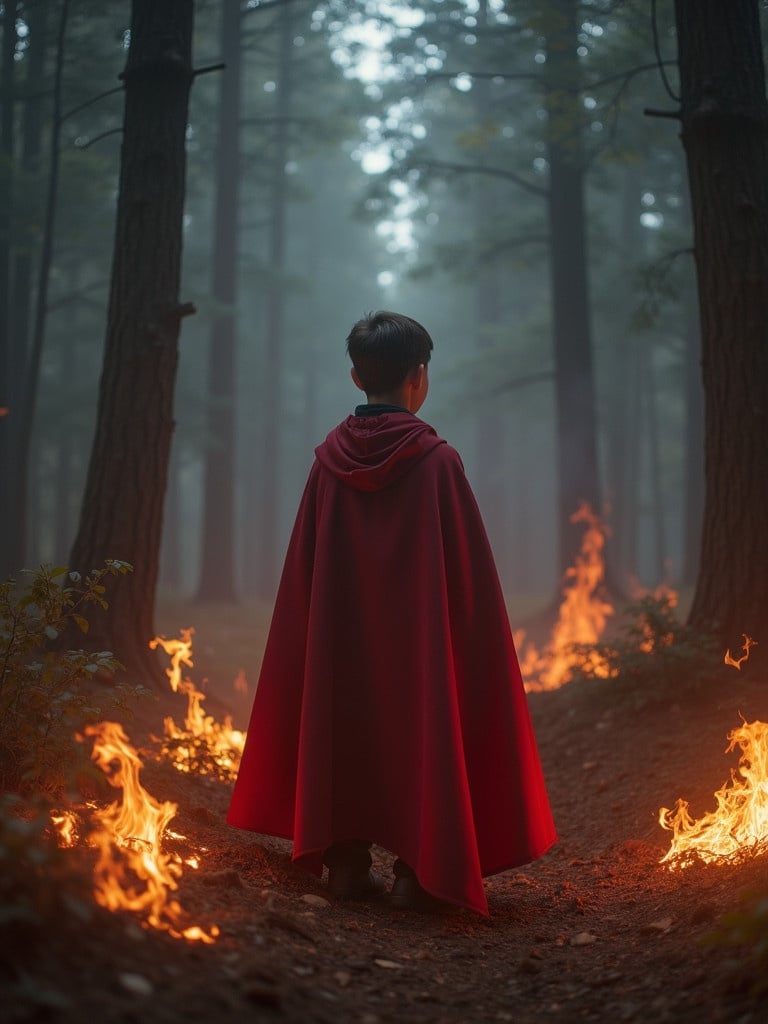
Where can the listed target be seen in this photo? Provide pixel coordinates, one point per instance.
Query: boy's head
(384, 348)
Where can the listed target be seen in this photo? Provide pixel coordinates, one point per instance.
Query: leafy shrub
(47, 694)
(654, 655)
(39, 882)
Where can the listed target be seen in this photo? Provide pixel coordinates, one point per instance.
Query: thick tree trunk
(275, 315)
(122, 509)
(693, 494)
(725, 134)
(576, 417)
(217, 581)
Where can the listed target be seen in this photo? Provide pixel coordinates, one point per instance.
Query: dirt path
(595, 931)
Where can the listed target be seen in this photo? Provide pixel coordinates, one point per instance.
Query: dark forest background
(509, 173)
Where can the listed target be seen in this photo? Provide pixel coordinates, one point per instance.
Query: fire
(203, 745)
(240, 685)
(581, 618)
(738, 662)
(133, 873)
(65, 823)
(739, 826)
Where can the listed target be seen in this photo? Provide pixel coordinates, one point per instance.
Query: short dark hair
(384, 347)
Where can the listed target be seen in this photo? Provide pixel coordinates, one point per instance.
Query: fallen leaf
(583, 939)
(388, 964)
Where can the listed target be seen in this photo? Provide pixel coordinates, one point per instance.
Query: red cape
(390, 705)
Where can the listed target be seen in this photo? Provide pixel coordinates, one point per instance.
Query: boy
(390, 707)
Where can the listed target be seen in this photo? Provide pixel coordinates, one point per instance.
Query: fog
(397, 158)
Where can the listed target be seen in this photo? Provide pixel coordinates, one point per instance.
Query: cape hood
(369, 453)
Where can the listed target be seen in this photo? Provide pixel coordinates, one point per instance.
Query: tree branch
(493, 172)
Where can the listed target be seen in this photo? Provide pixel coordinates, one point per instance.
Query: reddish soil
(595, 931)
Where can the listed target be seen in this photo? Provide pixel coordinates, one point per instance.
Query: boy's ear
(356, 379)
(417, 376)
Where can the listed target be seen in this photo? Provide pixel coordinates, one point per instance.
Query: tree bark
(693, 494)
(122, 509)
(217, 581)
(576, 417)
(724, 115)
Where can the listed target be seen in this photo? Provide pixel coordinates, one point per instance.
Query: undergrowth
(654, 657)
(47, 694)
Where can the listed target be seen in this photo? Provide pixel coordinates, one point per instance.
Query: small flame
(221, 745)
(65, 823)
(738, 662)
(581, 618)
(739, 826)
(241, 683)
(133, 873)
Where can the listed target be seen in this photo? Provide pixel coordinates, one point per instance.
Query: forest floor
(597, 930)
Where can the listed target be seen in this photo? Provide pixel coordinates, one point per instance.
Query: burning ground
(597, 930)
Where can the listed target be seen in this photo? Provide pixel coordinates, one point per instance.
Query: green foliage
(746, 930)
(40, 884)
(48, 693)
(654, 655)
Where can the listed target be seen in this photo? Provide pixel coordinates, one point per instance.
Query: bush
(48, 694)
(654, 656)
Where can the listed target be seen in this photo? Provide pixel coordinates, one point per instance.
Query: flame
(738, 662)
(203, 745)
(133, 873)
(65, 823)
(739, 826)
(240, 684)
(581, 618)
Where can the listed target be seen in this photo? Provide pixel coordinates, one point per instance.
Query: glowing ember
(739, 826)
(133, 873)
(203, 745)
(738, 662)
(581, 618)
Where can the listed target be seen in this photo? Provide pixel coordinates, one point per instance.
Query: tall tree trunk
(122, 509)
(275, 314)
(693, 495)
(28, 404)
(724, 116)
(217, 581)
(656, 490)
(576, 417)
(8, 403)
(490, 470)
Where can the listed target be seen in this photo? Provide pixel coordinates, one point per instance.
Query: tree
(724, 117)
(121, 516)
(217, 582)
(7, 125)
